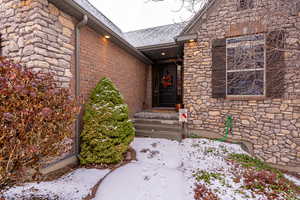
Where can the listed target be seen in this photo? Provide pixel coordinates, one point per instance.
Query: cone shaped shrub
(35, 117)
(107, 130)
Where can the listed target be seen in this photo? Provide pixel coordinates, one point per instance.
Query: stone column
(38, 35)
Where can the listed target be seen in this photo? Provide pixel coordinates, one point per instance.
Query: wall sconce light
(25, 2)
(191, 40)
(163, 53)
(107, 36)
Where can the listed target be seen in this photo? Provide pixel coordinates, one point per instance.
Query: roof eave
(186, 37)
(157, 46)
(101, 27)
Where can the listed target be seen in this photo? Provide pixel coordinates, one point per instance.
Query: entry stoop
(158, 125)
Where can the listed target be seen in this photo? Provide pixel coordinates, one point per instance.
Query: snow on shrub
(107, 130)
(35, 117)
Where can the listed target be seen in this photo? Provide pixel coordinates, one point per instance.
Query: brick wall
(271, 126)
(42, 37)
(46, 39)
(102, 58)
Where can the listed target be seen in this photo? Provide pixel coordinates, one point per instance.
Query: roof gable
(85, 4)
(188, 29)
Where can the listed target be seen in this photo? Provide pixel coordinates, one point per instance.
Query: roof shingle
(154, 36)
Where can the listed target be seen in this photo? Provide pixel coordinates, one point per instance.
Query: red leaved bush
(35, 117)
(203, 193)
(265, 182)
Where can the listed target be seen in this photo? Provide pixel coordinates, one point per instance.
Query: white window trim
(245, 70)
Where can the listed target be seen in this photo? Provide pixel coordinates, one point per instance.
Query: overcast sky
(137, 14)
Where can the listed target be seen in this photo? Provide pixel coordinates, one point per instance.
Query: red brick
(100, 58)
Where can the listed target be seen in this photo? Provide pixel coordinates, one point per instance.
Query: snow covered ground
(155, 176)
(209, 156)
(293, 179)
(74, 186)
(164, 170)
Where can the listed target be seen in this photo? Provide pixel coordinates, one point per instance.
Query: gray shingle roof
(85, 4)
(154, 36)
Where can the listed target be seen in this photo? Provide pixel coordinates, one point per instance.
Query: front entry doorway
(165, 85)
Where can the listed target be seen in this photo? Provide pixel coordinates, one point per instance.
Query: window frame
(245, 70)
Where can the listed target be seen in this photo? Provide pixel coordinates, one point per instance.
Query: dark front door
(165, 85)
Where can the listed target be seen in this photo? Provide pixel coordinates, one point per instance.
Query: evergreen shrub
(107, 130)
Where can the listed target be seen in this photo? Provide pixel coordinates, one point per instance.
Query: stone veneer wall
(272, 126)
(40, 36)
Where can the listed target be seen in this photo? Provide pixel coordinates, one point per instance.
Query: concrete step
(157, 115)
(157, 127)
(159, 134)
(156, 121)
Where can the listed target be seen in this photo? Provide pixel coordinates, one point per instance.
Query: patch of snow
(161, 152)
(142, 181)
(209, 156)
(166, 170)
(73, 186)
(155, 176)
(293, 179)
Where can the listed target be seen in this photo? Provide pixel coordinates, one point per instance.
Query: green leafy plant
(250, 162)
(210, 150)
(35, 117)
(207, 177)
(107, 129)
